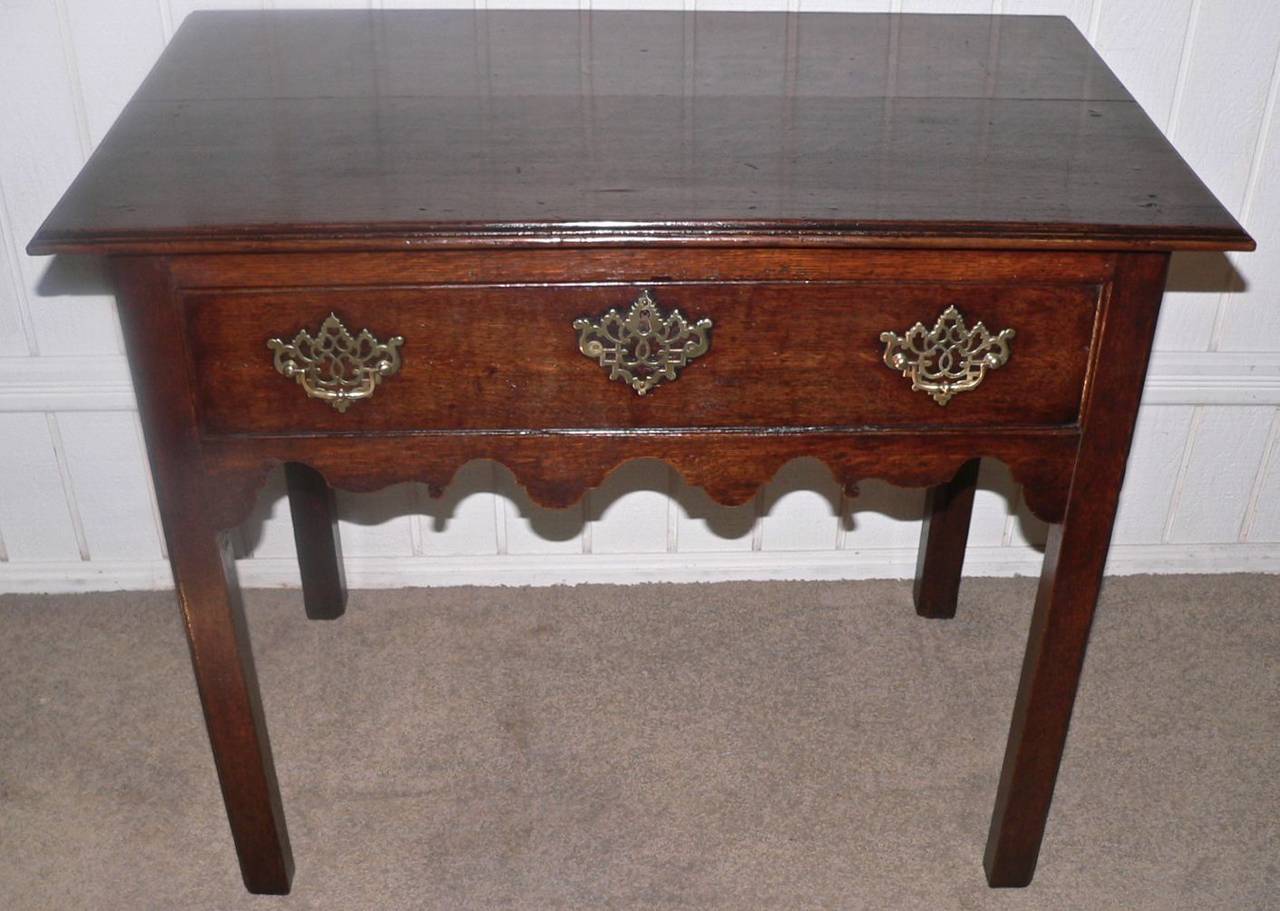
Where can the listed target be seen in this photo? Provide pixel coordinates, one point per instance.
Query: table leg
(1065, 602)
(1075, 557)
(315, 531)
(204, 573)
(942, 540)
(209, 592)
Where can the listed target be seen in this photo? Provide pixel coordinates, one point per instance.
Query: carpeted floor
(736, 746)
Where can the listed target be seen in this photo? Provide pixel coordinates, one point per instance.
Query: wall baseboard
(577, 569)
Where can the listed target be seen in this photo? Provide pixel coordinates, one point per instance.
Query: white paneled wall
(1203, 494)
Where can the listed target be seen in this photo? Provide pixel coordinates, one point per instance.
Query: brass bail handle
(949, 358)
(335, 366)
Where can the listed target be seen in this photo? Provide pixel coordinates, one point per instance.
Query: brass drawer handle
(643, 348)
(335, 366)
(948, 358)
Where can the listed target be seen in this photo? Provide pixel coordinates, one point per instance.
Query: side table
(370, 247)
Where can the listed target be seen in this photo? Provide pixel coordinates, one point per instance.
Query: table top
(344, 129)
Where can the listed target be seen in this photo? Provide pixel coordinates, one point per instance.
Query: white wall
(76, 509)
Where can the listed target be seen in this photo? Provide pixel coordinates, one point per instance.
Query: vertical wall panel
(378, 524)
(34, 517)
(530, 529)
(498, 4)
(42, 149)
(445, 4)
(462, 521)
(839, 6)
(1079, 11)
(946, 6)
(637, 4)
(1222, 468)
(1025, 529)
(1250, 319)
(1265, 520)
(268, 532)
(1145, 50)
(1228, 74)
(108, 477)
(115, 45)
(801, 508)
(629, 511)
(1162, 435)
(13, 335)
(991, 505)
(317, 4)
(181, 8)
(882, 516)
(703, 526)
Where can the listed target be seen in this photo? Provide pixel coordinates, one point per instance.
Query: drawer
(479, 357)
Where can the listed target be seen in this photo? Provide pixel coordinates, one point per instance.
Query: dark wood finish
(204, 572)
(343, 129)
(315, 532)
(947, 509)
(521, 53)
(557, 468)
(1072, 575)
(506, 357)
(474, 181)
(703, 262)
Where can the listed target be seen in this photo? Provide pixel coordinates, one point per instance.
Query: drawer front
(509, 357)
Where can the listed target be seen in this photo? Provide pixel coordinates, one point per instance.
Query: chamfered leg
(204, 574)
(1072, 576)
(315, 531)
(943, 537)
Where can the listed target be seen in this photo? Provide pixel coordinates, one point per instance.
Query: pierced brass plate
(335, 366)
(643, 348)
(948, 358)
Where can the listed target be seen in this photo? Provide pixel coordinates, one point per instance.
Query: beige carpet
(737, 746)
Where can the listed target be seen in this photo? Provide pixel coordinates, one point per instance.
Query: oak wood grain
(943, 535)
(518, 53)
(314, 512)
(702, 262)
(262, 130)
(557, 468)
(507, 357)
(1075, 557)
(205, 575)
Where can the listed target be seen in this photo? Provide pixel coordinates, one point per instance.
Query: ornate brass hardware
(335, 366)
(948, 358)
(643, 348)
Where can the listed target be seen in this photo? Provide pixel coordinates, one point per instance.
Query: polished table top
(337, 129)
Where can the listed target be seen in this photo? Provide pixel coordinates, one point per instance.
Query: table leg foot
(315, 531)
(942, 542)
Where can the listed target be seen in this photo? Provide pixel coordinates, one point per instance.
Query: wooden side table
(373, 246)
